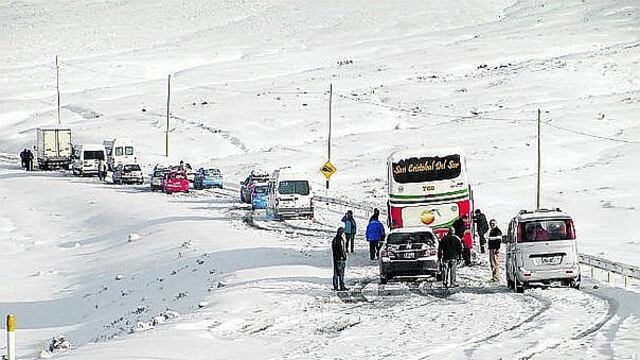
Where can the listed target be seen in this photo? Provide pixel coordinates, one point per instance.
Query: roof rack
(521, 212)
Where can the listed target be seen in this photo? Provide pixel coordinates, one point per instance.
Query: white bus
(120, 151)
(429, 188)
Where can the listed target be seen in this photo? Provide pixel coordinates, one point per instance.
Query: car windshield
(300, 187)
(133, 167)
(546, 230)
(94, 155)
(424, 237)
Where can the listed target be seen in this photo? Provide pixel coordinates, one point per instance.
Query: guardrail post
(608, 276)
(592, 271)
(11, 337)
(625, 280)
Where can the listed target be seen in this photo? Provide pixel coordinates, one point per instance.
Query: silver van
(542, 250)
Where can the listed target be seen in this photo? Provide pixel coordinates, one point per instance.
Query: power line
(418, 111)
(589, 135)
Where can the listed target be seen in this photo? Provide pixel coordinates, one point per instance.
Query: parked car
(542, 250)
(289, 196)
(128, 174)
(256, 178)
(175, 181)
(156, 180)
(259, 197)
(409, 252)
(207, 178)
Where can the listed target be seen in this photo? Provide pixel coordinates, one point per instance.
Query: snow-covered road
(253, 289)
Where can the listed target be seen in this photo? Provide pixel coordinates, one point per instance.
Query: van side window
(119, 151)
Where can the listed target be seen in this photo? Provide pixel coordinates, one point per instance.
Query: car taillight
(277, 202)
(384, 253)
(431, 252)
(571, 230)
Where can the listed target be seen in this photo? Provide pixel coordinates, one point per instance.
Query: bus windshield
(428, 168)
(300, 187)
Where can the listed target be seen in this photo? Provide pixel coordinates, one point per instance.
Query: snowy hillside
(250, 86)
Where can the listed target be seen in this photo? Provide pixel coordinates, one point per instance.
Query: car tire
(383, 280)
(576, 283)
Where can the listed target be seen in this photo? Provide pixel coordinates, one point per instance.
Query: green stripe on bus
(463, 191)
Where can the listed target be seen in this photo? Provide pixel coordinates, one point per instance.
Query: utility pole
(58, 89)
(539, 165)
(329, 137)
(166, 137)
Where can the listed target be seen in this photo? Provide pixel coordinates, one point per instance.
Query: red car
(175, 181)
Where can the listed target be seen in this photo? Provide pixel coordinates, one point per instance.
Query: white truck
(120, 151)
(54, 148)
(289, 196)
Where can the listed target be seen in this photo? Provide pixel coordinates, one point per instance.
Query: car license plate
(550, 260)
(409, 255)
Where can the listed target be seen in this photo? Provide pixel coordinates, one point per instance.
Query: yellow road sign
(328, 169)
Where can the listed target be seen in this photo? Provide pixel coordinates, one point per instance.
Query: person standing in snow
(102, 170)
(375, 234)
(495, 238)
(349, 229)
(481, 227)
(29, 160)
(460, 227)
(339, 260)
(449, 252)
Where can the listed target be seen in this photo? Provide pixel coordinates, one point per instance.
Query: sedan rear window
(133, 167)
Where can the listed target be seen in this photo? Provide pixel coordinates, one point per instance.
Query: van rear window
(546, 230)
(94, 155)
(300, 187)
(128, 150)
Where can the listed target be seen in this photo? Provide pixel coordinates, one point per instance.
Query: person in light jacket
(349, 229)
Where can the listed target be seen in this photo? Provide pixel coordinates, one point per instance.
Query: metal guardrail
(625, 270)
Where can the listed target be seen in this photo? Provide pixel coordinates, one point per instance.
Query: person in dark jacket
(339, 260)
(449, 252)
(375, 235)
(461, 225)
(29, 160)
(349, 229)
(23, 159)
(481, 227)
(495, 238)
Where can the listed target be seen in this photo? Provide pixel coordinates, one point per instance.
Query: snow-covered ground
(249, 87)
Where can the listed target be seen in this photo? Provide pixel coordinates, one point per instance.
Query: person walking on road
(495, 238)
(375, 234)
(481, 227)
(460, 227)
(349, 229)
(449, 252)
(339, 260)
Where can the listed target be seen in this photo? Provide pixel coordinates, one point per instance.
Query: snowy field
(125, 273)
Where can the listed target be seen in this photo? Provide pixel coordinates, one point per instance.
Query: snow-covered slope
(249, 86)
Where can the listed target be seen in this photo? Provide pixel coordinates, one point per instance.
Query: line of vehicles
(427, 192)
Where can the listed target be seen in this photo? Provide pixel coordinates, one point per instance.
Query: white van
(289, 196)
(86, 158)
(120, 151)
(542, 250)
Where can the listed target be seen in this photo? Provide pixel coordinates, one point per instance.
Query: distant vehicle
(542, 250)
(259, 197)
(207, 178)
(156, 181)
(128, 174)
(256, 178)
(86, 158)
(54, 148)
(409, 252)
(120, 151)
(429, 188)
(175, 181)
(289, 196)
